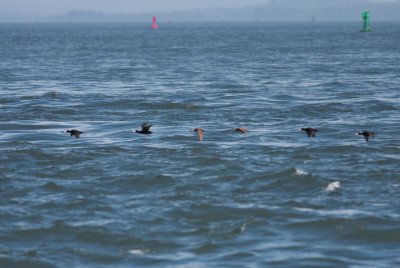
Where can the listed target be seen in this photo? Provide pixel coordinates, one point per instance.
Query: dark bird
(310, 131)
(240, 129)
(200, 133)
(145, 129)
(366, 134)
(74, 132)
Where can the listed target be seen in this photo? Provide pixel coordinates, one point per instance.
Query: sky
(51, 7)
(32, 10)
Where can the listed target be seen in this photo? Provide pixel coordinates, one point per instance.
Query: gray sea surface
(271, 197)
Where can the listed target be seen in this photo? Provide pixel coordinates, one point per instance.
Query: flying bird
(200, 133)
(145, 129)
(74, 132)
(366, 134)
(310, 131)
(240, 129)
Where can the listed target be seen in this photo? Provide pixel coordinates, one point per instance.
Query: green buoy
(365, 25)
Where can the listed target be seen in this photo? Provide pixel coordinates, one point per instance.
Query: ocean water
(271, 197)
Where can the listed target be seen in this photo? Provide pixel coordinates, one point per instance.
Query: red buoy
(154, 23)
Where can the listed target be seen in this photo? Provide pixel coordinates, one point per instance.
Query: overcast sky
(26, 10)
(126, 6)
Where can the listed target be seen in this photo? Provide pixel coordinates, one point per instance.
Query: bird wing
(146, 127)
(200, 134)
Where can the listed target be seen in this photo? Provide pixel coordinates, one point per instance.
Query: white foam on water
(137, 252)
(300, 172)
(333, 186)
(348, 213)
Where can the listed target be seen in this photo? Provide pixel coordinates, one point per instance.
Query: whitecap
(333, 186)
(137, 252)
(348, 213)
(300, 172)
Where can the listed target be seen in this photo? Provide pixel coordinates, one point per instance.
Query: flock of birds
(200, 132)
(311, 132)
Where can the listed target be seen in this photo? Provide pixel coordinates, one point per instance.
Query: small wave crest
(333, 187)
(300, 172)
(137, 252)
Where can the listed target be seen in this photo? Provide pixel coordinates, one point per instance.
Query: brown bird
(240, 129)
(200, 133)
(74, 132)
(145, 129)
(366, 134)
(310, 131)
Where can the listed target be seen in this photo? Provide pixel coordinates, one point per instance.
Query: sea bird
(366, 134)
(310, 131)
(240, 129)
(200, 133)
(145, 129)
(74, 132)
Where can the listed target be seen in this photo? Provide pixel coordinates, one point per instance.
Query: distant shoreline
(282, 11)
(165, 23)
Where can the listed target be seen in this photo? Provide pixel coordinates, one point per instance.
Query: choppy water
(117, 199)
